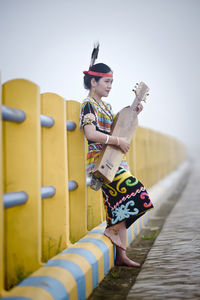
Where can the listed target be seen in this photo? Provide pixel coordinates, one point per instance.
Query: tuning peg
(136, 85)
(147, 94)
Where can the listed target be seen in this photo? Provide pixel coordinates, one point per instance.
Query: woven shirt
(102, 117)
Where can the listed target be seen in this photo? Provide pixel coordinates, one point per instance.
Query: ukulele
(125, 124)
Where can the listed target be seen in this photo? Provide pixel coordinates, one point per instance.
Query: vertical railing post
(22, 169)
(131, 156)
(2, 244)
(159, 156)
(151, 170)
(141, 153)
(95, 207)
(55, 210)
(76, 172)
(156, 155)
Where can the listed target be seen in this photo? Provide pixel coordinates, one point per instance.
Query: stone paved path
(172, 267)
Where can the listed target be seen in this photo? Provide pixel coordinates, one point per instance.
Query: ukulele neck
(135, 103)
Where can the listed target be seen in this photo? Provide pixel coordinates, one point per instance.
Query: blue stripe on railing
(102, 246)
(103, 224)
(140, 222)
(144, 218)
(135, 229)
(90, 258)
(75, 270)
(52, 285)
(15, 298)
(97, 230)
(129, 235)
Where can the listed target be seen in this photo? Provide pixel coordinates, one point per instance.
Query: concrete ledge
(76, 271)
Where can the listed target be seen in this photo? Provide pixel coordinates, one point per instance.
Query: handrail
(17, 115)
(88, 180)
(46, 121)
(72, 185)
(47, 191)
(70, 125)
(21, 197)
(14, 199)
(13, 114)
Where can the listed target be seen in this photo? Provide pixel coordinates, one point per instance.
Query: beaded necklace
(103, 108)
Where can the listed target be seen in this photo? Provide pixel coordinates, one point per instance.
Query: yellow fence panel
(55, 210)
(1, 209)
(151, 169)
(170, 154)
(180, 150)
(22, 166)
(165, 155)
(141, 154)
(95, 208)
(174, 150)
(131, 156)
(149, 159)
(76, 172)
(161, 155)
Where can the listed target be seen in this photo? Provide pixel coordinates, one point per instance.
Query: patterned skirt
(125, 198)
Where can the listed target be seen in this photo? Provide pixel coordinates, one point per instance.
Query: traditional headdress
(93, 58)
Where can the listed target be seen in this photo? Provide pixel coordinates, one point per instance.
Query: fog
(158, 42)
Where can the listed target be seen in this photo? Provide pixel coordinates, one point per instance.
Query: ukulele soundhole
(109, 164)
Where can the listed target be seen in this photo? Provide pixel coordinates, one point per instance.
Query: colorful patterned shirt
(102, 117)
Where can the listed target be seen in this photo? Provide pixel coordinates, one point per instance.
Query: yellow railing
(33, 157)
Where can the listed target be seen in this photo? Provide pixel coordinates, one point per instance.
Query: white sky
(156, 41)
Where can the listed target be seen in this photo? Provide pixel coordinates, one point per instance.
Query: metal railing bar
(70, 125)
(88, 180)
(46, 121)
(12, 114)
(47, 191)
(14, 199)
(72, 185)
(17, 115)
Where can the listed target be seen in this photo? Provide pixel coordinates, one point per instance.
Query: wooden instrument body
(124, 125)
(108, 163)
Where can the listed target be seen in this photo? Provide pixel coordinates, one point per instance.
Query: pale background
(156, 41)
